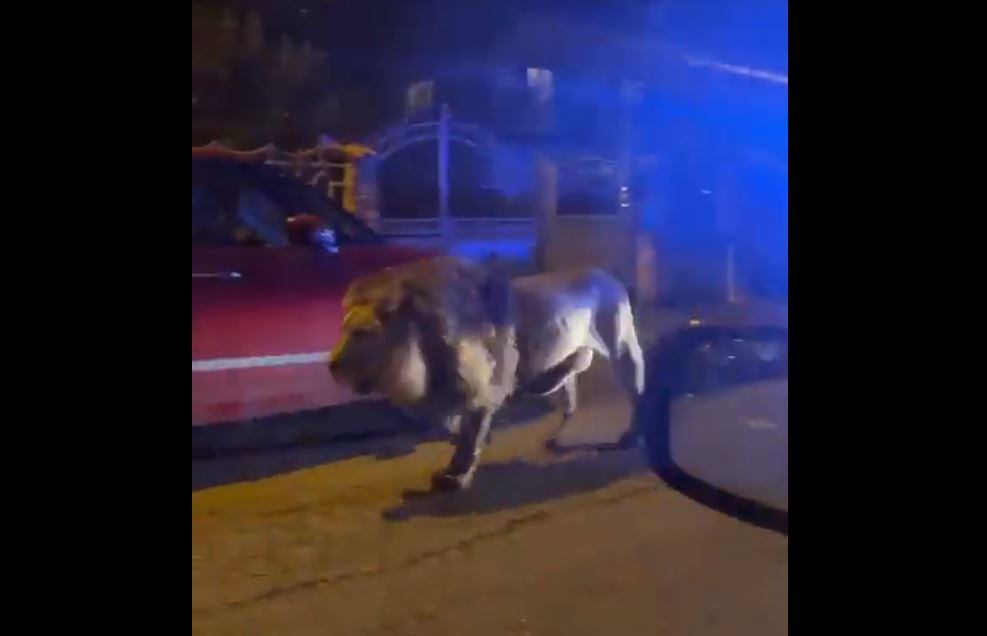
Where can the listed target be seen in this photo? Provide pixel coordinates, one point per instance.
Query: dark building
(372, 64)
(683, 104)
(252, 84)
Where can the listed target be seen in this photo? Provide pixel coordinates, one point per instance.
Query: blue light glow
(480, 249)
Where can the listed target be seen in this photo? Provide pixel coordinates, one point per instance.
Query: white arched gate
(548, 238)
(478, 235)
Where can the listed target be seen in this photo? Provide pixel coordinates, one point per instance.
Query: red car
(271, 260)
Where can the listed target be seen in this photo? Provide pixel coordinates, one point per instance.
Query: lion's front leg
(473, 435)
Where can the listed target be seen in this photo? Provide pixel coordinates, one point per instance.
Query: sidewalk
(656, 321)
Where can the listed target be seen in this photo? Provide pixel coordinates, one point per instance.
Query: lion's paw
(448, 482)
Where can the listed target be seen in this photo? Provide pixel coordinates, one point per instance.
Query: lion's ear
(403, 298)
(387, 307)
(496, 293)
(426, 307)
(415, 299)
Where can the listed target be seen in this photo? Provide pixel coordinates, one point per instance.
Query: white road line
(217, 275)
(257, 362)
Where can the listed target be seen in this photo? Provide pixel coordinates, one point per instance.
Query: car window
(213, 221)
(294, 197)
(350, 230)
(263, 218)
(299, 198)
(248, 206)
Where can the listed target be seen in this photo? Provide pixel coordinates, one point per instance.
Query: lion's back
(558, 291)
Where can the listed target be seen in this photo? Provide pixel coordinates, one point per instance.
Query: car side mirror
(325, 240)
(714, 418)
(310, 231)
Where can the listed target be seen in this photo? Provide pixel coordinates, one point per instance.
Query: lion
(447, 337)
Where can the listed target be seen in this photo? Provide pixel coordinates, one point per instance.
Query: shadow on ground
(238, 452)
(518, 483)
(245, 452)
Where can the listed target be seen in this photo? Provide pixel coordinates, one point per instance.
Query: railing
(461, 228)
(398, 137)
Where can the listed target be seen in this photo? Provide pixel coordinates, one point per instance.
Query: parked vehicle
(271, 260)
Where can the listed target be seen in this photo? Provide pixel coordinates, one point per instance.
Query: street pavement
(345, 539)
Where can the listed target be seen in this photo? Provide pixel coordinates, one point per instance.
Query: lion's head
(417, 331)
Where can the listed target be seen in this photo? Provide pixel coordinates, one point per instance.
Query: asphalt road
(343, 539)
